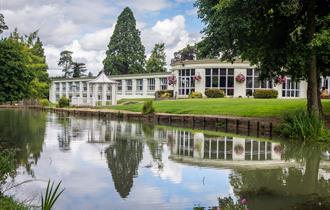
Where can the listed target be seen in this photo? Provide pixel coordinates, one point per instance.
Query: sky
(85, 26)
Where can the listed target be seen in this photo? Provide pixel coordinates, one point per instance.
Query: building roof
(102, 78)
(208, 61)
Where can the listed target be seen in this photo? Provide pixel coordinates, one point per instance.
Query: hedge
(214, 93)
(195, 95)
(265, 93)
(163, 94)
(63, 102)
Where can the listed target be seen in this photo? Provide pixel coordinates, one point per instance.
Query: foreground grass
(245, 107)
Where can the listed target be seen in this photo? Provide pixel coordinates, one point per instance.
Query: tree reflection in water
(298, 187)
(123, 158)
(28, 138)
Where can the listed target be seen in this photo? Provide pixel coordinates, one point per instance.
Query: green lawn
(246, 107)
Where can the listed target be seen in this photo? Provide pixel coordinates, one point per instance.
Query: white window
(119, 86)
(290, 88)
(63, 86)
(128, 85)
(139, 85)
(253, 82)
(151, 84)
(220, 78)
(57, 86)
(85, 86)
(163, 83)
(186, 83)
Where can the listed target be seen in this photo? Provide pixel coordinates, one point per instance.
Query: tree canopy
(78, 69)
(187, 53)
(66, 62)
(157, 60)
(125, 53)
(281, 37)
(3, 25)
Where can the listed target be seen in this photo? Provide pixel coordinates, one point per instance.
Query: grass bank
(244, 107)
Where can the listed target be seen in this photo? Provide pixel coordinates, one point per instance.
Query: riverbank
(238, 107)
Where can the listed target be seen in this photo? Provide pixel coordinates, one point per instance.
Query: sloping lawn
(246, 107)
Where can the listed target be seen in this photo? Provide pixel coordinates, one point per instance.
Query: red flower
(240, 78)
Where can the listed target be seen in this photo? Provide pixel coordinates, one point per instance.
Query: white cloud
(146, 5)
(85, 26)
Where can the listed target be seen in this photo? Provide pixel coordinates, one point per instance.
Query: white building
(105, 90)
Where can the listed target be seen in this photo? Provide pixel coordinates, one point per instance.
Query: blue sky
(85, 26)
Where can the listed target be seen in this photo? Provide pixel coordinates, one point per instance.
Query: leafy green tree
(66, 62)
(15, 76)
(125, 53)
(187, 53)
(78, 69)
(39, 86)
(3, 25)
(157, 60)
(281, 37)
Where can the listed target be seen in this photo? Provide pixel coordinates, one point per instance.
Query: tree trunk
(313, 91)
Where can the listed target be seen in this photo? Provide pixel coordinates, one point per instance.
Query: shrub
(303, 126)
(214, 93)
(195, 95)
(265, 94)
(44, 102)
(148, 108)
(63, 102)
(163, 94)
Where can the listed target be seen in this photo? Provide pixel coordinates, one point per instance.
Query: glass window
(128, 85)
(220, 78)
(139, 85)
(290, 88)
(186, 83)
(151, 84)
(119, 86)
(253, 82)
(163, 83)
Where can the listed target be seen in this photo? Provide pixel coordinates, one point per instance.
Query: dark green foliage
(66, 62)
(265, 94)
(125, 52)
(214, 93)
(44, 102)
(157, 60)
(195, 95)
(63, 102)
(15, 76)
(148, 108)
(187, 53)
(3, 25)
(51, 196)
(163, 94)
(7, 165)
(303, 126)
(8, 203)
(78, 69)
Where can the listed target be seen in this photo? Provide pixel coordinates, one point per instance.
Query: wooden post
(258, 128)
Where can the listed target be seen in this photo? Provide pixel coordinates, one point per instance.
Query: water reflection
(151, 167)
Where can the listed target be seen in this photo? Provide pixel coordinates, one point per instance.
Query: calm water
(105, 164)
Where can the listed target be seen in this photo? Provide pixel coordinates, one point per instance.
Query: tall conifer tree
(157, 62)
(125, 53)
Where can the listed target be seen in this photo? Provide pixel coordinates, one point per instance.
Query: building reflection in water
(199, 145)
(122, 144)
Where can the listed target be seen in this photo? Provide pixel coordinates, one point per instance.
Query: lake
(110, 164)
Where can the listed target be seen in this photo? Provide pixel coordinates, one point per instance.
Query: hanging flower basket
(197, 78)
(278, 149)
(240, 78)
(280, 79)
(171, 80)
(239, 149)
